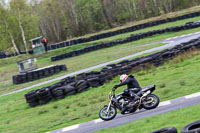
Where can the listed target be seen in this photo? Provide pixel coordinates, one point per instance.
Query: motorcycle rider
(132, 86)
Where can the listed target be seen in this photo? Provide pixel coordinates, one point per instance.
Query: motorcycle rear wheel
(106, 116)
(151, 102)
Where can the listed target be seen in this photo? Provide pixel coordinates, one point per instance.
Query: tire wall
(121, 31)
(37, 74)
(133, 37)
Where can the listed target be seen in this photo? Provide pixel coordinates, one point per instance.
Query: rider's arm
(124, 83)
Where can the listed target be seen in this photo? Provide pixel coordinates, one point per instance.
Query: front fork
(110, 103)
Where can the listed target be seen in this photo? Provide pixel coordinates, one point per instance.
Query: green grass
(73, 64)
(180, 77)
(76, 63)
(121, 36)
(117, 37)
(178, 119)
(8, 66)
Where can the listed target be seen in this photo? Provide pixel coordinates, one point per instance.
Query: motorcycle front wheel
(151, 101)
(107, 115)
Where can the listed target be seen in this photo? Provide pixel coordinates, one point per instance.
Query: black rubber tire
(42, 92)
(44, 96)
(33, 104)
(110, 118)
(82, 86)
(79, 83)
(68, 88)
(30, 95)
(57, 91)
(58, 94)
(154, 105)
(45, 101)
(32, 100)
(193, 127)
(59, 97)
(79, 91)
(71, 93)
(165, 130)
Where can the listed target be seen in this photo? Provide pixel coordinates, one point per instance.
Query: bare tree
(3, 15)
(19, 7)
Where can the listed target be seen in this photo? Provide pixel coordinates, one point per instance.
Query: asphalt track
(163, 107)
(171, 42)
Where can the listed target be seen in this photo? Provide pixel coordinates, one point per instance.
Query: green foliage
(11, 14)
(178, 119)
(65, 19)
(83, 107)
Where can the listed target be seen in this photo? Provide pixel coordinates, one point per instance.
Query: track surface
(163, 107)
(171, 42)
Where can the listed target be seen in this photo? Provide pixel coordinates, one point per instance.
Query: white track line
(192, 95)
(164, 103)
(98, 120)
(70, 128)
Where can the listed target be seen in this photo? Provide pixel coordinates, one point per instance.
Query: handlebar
(113, 91)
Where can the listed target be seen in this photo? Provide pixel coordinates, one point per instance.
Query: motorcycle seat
(148, 87)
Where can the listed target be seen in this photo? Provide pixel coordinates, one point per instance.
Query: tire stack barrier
(31, 98)
(165, 130)
(83, 81)
(193, 127)
(121, 31)
(2, 55)
(37, 74)
(7, 55)
(133, 37)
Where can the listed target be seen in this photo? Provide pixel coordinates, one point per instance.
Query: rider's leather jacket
(131, 83)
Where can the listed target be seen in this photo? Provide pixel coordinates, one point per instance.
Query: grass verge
(178, 119)
(73, 64)
(76, 63)
(179, 75)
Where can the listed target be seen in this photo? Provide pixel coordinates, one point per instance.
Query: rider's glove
(115, 87)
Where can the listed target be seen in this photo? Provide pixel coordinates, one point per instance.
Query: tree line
(58, 20)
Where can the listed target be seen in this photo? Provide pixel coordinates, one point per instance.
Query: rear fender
(149, 88)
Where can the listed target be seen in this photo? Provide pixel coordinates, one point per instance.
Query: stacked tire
(58, 93)
(165, 130)
(81, 85)
(69, 90)
(37, 74)
(2, 55)
(120, 31)
(193, 127)
(131, 38)
(44, 95)
(31, 98)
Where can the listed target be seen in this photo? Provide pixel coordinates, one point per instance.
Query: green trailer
(37, 45)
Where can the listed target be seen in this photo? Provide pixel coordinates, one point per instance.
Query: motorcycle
(147, 101)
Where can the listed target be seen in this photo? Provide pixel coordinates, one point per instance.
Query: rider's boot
(136, 97)
(124, 108)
